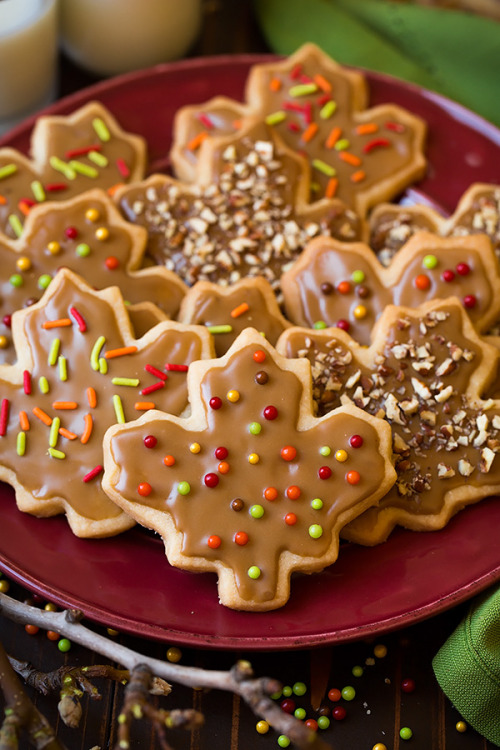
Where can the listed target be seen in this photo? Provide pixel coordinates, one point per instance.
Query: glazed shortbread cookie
(247, 217)
(424, 374)
(362, 156)
(79, 370)
(335, 284)
(226, 311)
(88, 235)
(251, 486)
(478, 212)
(69, 154)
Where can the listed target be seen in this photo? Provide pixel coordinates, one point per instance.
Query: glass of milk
(109, 37)
(28, 58)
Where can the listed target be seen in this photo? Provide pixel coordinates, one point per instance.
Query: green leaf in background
(452, 52)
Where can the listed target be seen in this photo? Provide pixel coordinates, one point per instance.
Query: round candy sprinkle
(83, 250)
(360, 312)
(211, 480)
(288, 453)
(214, 541)
(299, 688)
(144, 489)
(287, 691)
(405, 733)
(448, 275)
(343, 325)
(195, 448)
(215, 402)
(379, 746)
(357, 671)
(326, 288)
(71, 232)
(233, 396)
(288, 705)
(300, 713)
(341, 455)
(353, 477)
(358, 276)
(315, 531)
(339, 713)
(293, 492)
(7, 320)
(31, 629)
(461, 726)
(50, 607)
(317, 503)
(111, 263)
(344, 287)
(253, 458)
(430, 261)
(92, 214)
(323, 722)
(102, 234)
(463, 269)
(408, 685)
(241, 538)
(363, 292)
(23, 263)
(237, 504)
(44, 280)
(355, 441)
(325, 450)
(270, 412)
(261, 377)
(54, 248)
(183, 488)
(324, 472)
(470, 301)
(256, 511)
(319, 325)
(174, 654)
(276, 696)
(262, 727)
(254, 572)
(334, 695)
(312, 724)
(283, 741)
(271, 493)
(422, 282)
(52, 635)
(348, 693)
(4, 586)
(259, 356)
(3, 342)
(254, 428)
(221, 453)
(223, 467)
(16, 280)
(380, 651)
(150, 441)
(290, 519)
(64, 645)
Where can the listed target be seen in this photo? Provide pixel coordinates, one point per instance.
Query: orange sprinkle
(87, 430)
(237, 124)
(3, 200)
(196, 142)
(223, 467)
(333, 137)
(144, 405)
(331, 187)
(113, 188)
(358, 176)
(309, 132)
(64, 405)
(91, 397)
(67, 433)
(120, 352)
(24, 207)
(352, 159)
(61, 322)
(24, 421)
(275, 84)
(240, 310)
(322, 83)
(366, 128)
(42, 416)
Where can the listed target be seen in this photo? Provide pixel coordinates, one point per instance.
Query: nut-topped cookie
(69, 155)
(335, 284)
(79, 370)
(88, 235)
(251, 485)
(246, 217)
(424, 373)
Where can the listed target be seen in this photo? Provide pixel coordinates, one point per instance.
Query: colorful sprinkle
(316, 503)
(183, 488)
(93, 473)
(118, 407)
(101, 129)
(315, 531)
(254, 572)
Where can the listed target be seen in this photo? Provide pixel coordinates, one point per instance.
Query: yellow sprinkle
(253, 458)
(195, 447)
(54, 248)
(56, 454)
(380, 651)
(102, 233)
(233, 396)
(359, 312)
(23, 263)
(92, 214)
(341, 455)
(21, 443)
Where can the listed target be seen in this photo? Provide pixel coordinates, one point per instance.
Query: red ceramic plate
(125, 582)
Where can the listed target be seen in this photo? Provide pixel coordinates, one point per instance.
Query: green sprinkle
(342, 144)
(94, 354)
(56, 454)
(317, 503)
(101, 129)
(430, 262)
(323, 167)
(54, 352)
(303, 89)
(328, 109)
(319, 324)
(325, 450)
(43, 384)
(183, 488)
(315, 531)
(256, 511)
(299, 688)
(133, 382)
(118, 406)
(84, 169)
(16, 280)
(21, 443)
(300, 713)
(323, 722)
(103, 365)
(7, 170)
(254, 428)
(283, 740)
(357, 671)
(60, 166)
(38, 191)
(220, 329)
(63, 369)
(54, 432)
(358, 277)
(287, 691)
(348, 693)
(275, 118)
(44, 280)
(405, 733)
(15, 224)
(276, 696)
(83, 250)
(254, 572)
(63, 644)
(98, 158)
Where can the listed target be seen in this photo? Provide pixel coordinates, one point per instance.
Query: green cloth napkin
(467, 666)
(452, 52)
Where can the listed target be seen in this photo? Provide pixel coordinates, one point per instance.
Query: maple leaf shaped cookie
(88, 235)
(424, 373)
(362, 156)
(70, 154)
(79, 370)
(246, 217)
(251, 485)
(477, 212)
(333, 283)
(226, 311)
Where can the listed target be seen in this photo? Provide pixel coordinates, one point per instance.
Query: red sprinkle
(93, 473)
(296, 72)
(152, 388)
(122, 168)
(221, 453)
(324, 472)
(144, 489)
(54, 187)
(150, 441)
(157, 373)
(176, 368)
(214, 541)
(205, 120)
(4, 416)
(27, 382)
(71, 232)
(288, 705)
(82, 326)
(343, 324)
(82, 151)
(408, 685)
(215, 402)
(270, 412)
(355, 441)
(470, 301)
(211, 480)
(463, 269)
(397, 127)
(375, 143)
(339, 713)
(241, 538)
(448, 275)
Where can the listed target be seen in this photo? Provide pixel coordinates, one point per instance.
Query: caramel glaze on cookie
(251, 485)
(424, 373)
(79, 370)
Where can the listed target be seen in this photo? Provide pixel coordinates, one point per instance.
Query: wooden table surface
(381, 707)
